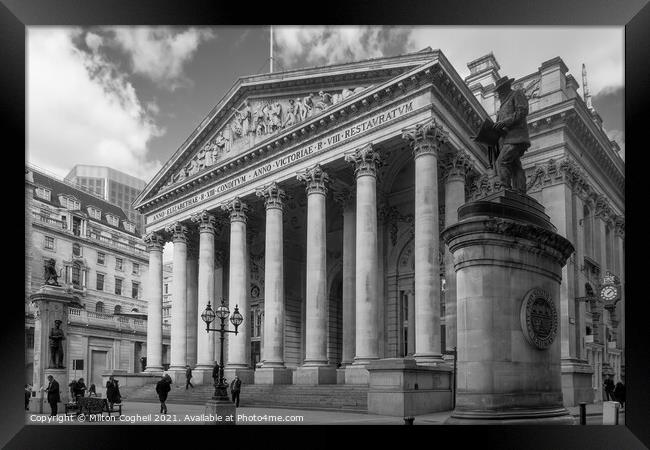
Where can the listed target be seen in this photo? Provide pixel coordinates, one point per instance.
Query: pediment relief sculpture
(255, 120)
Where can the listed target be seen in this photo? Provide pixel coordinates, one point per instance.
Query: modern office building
(114, 186)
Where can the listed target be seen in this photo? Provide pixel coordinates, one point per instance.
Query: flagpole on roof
(271, 49)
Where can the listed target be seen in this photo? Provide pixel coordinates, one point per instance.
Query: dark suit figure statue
(513, 129)
(56, 346)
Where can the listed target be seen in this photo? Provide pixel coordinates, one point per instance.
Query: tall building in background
(112, 185)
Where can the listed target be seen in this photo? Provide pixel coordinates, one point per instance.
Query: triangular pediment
(259, 107)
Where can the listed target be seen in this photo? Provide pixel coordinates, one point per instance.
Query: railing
(83, 317)
(51, 221)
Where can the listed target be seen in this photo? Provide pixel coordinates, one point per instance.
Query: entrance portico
(275, 195)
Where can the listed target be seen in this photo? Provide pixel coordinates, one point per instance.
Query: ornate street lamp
(222, 313)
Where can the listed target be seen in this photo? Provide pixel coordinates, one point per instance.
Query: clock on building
(609, 293)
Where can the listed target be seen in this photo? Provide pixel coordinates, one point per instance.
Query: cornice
(569, 115)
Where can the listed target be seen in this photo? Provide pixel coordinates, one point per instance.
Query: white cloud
(318, 45)
(521, 50)
(160, 53)
(94, 41)
(81, 110)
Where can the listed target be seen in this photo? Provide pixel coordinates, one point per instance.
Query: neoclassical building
(313, 200)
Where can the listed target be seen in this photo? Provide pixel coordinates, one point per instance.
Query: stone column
(349, 275)
(410, 342)
(579, 273)
(620, 268)
(192, 271)
(426, 140)
(457, 167)
(219, 293)
(154, 296)
(315, 369)
(601, 216)
(205, 340)
(239, 355)
(367, 302)
(273, 370)
(178, 338)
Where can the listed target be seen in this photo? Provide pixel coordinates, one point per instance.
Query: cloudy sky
(128, 97)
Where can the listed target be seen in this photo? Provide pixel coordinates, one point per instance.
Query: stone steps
(337, 397)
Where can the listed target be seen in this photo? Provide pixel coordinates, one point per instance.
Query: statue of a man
(56, 345)
(513, 128)
(49, 273)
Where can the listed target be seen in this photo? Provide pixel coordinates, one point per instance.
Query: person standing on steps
(235, 389)
(53, 394)
(188, 377)
(162, 389)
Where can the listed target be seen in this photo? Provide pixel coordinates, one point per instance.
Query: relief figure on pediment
(324, 102)
(276, 116)
(243, 121)
(260, 121)
(291, 114)
(306, 107)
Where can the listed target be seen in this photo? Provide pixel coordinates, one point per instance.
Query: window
(100, 282)
(101, 258)
(95, 213)
(49, 242)
(136, 269)
(112, 220)
(76, 276)
(76, 226)
(166, 288)
(69, 202)
(117, 309)
(118, 263)
(76, 249)
(128, 226)
(64, 222)
(118, 286)
(99, 307)
(135, 288)
(43, 193)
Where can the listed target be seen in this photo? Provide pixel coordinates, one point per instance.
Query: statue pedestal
(50, 303)
(508, 260)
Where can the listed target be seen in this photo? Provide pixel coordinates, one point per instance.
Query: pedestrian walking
(162, 389)
(619, 393)
(609, 388)
(113, 391)
(73, 387)
(188, 377)
(53, 394)
(28, 394)
(80, 389)
(235, 389)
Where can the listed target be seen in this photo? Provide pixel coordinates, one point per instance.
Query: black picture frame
(15, 15)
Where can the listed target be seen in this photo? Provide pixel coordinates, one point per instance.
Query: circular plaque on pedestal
(539, 318)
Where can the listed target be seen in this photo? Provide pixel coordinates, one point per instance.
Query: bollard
(583, 413)
(409, 420)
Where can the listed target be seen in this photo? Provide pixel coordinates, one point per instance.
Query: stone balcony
(78, 316)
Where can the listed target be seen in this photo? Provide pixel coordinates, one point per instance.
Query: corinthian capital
(457, 164)
(426, 138)
(237, 210)
(273, 195)
(154, 241)
(315, 179)
(178, 231)
(365, 161)
(205, 220)
(603, 209)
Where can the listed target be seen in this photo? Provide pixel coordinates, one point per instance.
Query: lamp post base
(220, 411)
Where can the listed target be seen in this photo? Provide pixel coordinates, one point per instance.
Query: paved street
(147, 413)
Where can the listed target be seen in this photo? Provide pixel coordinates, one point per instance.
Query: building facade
(113, 186)
(101, 261)
(313, 200)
